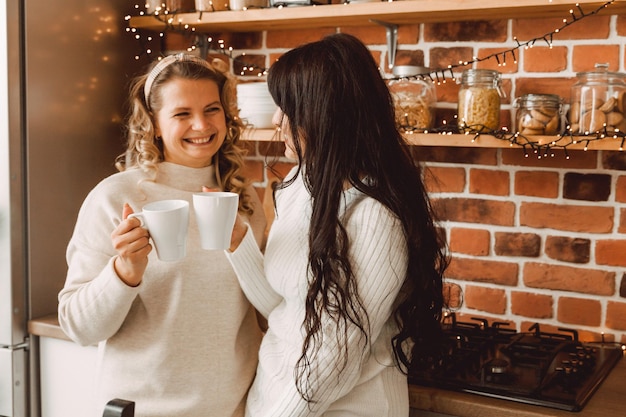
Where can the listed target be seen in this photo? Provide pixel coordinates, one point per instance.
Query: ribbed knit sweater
(276, 283)
(182, 343)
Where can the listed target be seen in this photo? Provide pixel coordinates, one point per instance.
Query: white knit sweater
(182, 343)
(370, 384)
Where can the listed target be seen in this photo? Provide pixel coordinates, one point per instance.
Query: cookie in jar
(538, 114)
(598, 102)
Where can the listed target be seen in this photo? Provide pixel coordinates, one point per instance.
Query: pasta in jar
(479, 100)
(414, 98)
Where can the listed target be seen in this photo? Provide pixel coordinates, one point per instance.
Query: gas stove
(540, 368)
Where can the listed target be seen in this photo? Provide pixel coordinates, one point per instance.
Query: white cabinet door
(67, 377)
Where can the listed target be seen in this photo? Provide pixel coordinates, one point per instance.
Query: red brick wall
(532, 240)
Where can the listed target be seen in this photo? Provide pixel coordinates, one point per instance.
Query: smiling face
(191, 123)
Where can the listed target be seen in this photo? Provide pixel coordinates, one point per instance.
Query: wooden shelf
(396, 12)
(488, 141)
(362, 14)
(462, 140)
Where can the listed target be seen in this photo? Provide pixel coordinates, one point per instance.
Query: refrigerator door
(77, 67)
(13, 387)
(64, 74)
(14, 382)
(6, 378)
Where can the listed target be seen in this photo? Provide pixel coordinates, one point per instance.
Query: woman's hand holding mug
(132, 243)
(240, 228)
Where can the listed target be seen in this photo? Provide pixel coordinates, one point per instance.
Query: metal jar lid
(552, 100)
(471, 76)
(409, 70)
(601, 75)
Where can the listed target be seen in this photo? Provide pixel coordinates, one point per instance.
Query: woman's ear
(157, 129)
(155, 124)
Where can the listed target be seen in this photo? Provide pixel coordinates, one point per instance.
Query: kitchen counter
(608, 401)
(47, 326)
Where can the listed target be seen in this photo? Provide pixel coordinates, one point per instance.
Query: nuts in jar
(538, 114)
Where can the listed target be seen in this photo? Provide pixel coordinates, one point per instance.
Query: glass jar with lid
(414, 98)
(479, 100)
(598, 102)
(538, 114)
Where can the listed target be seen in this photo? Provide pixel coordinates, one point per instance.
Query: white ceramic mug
(248, 4)
(168, 222)
(211, 5)
(153, 5)
(215, 213)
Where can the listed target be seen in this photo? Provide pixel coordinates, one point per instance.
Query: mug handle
(137, 216)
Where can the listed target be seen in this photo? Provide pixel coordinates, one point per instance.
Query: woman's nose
(277, 118)
(200, 122)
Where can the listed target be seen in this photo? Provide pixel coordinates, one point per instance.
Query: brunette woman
(351, 278)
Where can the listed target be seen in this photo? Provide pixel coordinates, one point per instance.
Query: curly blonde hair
(145, 152)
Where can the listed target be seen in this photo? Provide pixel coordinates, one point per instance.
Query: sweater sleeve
(257, 220)
(379, 259)
(94, 302)
(247, 261)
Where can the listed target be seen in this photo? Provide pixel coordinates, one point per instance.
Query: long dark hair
(340, 112)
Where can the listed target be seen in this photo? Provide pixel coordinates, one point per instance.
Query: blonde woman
(177, 338)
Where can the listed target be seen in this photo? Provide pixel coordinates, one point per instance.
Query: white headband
(166, 62)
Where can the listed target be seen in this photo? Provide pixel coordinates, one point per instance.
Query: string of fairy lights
(209, 45)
